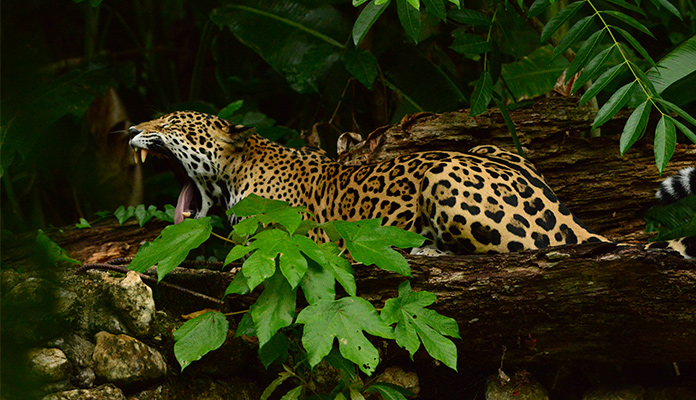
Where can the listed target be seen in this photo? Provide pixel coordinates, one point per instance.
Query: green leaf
(627, 6)
(230, 109)
(199, 336)
(559, 19)
(665, 142)
(301, 40)
(389, 391)
(172, 246)
(236, 253)
(635, 126)
(293, 394)
(339, 267)
(410, 19)
(574, 33)
(122, 214)
(362, 65)
(254, 204)
(368, 16)
(274, 309)
(601, 82)
(615, 103)
(318, 284)
(436, 8)
(50, 251)
(674, 108)
(415, 323)
(635, 44)
(344, 319)
(282, 377)
(239, 285)
(676, 65)
(670, 7)
(83, 224)
(685, 130)
(369, 243)
(143, 215)
(537, 8)
(584, 53)
(535, 74)
(482, 95)
(275, 349)
(469, 17)
(465, 43)
(629, 20)
(593, 67)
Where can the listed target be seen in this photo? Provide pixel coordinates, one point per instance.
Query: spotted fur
(484, 200)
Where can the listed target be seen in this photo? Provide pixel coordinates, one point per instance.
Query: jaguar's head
(197, 146)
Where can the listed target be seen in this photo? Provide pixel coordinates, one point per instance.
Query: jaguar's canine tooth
(136, 155)
(186, 214)
(143, 155)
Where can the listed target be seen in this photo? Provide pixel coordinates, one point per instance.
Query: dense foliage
(319, 67)
(309, 295)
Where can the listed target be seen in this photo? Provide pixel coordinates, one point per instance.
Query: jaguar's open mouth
(190, 199)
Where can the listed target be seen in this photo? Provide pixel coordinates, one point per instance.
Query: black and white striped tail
(678, 186)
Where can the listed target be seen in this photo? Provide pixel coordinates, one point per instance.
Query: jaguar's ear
(235, 135)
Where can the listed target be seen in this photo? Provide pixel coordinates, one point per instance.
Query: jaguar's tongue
(183, 205)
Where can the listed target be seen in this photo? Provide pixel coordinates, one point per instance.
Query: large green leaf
(665, 141)
(415, 323)
(172, 246)
(584, 53)
(676, 65)
(344, 319)
(370, 243)
(199, 336)
(615, 103)
(368, 16)
(603, 80)
(274, 309)
(535, 74)
(292, 36)
(559, 19)
(410, 18)
(362, 65)
(483, 93)
(574, 33)
(466, 43)
(635, 126)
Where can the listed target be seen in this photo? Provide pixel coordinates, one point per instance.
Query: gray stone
(522, 386)
(104, 392)
(126, 361)
(133, 301)
(79, 352)
(49, 365)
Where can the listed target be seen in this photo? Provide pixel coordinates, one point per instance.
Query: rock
(671, 393)
(613, 393)
(79, 351)
(397, 376)
(49, 365)
(36, 310)
(104, 392)
(133, 301)
(9, 278)
(522, 386)
(126, 361)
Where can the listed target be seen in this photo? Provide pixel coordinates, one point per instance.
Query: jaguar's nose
(134, 131)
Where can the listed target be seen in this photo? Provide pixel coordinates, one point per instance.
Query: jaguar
(485, 200)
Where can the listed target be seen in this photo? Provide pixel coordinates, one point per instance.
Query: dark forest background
(76, 74)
